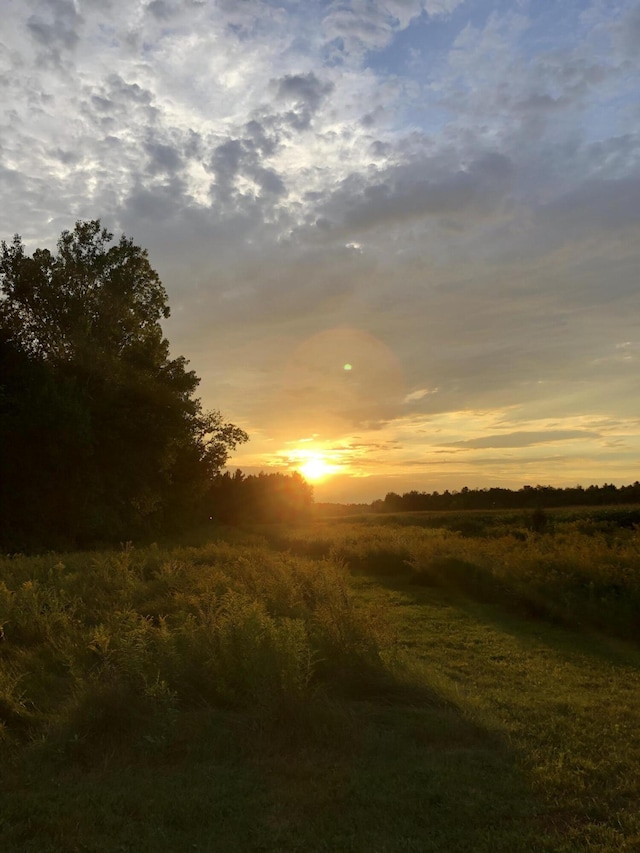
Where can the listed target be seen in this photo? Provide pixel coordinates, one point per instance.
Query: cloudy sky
(401, 237)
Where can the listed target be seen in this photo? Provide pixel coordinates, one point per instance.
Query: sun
(313, 465)
(315, 468)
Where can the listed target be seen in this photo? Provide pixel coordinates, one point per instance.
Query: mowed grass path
(504, 734)
(565, 706)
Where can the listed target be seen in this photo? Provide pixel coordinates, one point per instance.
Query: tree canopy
(261, 498)
(101, 436)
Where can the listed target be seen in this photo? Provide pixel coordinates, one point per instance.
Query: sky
(400, 238)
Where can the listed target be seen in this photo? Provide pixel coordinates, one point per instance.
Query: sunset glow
(401, 236)
(316, 468)
(314, 465)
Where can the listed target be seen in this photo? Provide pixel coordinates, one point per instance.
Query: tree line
(528, 497)
(102, 438)
(262, 498)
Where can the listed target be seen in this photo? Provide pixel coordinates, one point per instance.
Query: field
(427, 682)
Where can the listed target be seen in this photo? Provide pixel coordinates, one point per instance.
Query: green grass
(318, 693)
(567, 705)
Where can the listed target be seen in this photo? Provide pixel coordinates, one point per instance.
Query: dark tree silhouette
(263, 498)
(101, 434)
(528, 497)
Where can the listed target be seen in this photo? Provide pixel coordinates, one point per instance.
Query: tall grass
(110, 645)
(590, 580)
(582, 571)
(105, 646)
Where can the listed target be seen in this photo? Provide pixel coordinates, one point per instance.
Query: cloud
(360, 26)
(417, 189)
(414, 396)
(626, 34)
(160, 10)
(522, 439)
(597, 204)
(163, 158)
(304, 89)
(54, 27)
(237, 160)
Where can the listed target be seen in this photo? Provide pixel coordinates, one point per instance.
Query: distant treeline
(528, 497)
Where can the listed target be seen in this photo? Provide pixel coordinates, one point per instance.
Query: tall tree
(92, 398)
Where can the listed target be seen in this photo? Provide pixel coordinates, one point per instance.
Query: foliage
(101, 436)
(264, 498)
(140, 632)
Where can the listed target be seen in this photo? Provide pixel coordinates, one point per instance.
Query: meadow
(411, 682)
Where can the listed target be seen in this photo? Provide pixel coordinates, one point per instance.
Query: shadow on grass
(384, 767)
(610, 621)
(568, 638)
(474, 591)
(553, 690)
(380, 776)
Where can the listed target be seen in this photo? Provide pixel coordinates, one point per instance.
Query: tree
(264, 498)
(90, 299)
(130, 435)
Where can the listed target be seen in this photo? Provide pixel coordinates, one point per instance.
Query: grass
(96, 641)
(582, 570)
(565, 703)
(310, 691)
